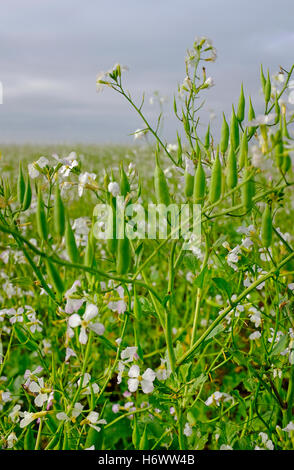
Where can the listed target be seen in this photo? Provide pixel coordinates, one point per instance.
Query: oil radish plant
(140, 343)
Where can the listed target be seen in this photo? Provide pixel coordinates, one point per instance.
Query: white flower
(93, 419)
(77, 410)
(68, 163)
(188, 430)
(146, 380)
(217, 397)
(85, 179)
(291, 286)
(73, 305)
(85, 322)
(69, 353)
(225, 447)
(289, 428)
(139, 133)
(255, 335)
(190, 167)
(163, 372)
(120, 305)
(255, 316)
(113, 188)
(129, 354)
(33, 171)
(86, 388)
(262, 119)
(31, 375)
(11, 440)
(209, 82)
(29, 417)
(14, 415)
(16, 315)
(42, 392)
(172, 147)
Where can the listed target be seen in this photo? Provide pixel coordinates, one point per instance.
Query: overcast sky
(51, 51)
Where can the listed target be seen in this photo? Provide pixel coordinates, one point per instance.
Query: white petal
(147, 386)
(83, 338)
(91, 312)
(40, 399)
(98, 328)
(62, 416)
(74, 320)
(149, 375)
(133, 384)
(34, 387)
(134, 371)
(93, 417)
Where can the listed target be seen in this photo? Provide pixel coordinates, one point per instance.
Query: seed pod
(111, 222)
(215, 181)
(137, 307)
(41, 217)
(266, 227)
(58, 213)
(267, 88)
(180, 150)
(199, 184)
(94, 438)
(285, 129)
(279, 149)
(234, 130)
(251, 117)
(262, 79)
(247, 191)
(124, 182)
(160, 186)
(189, 179)
(277, 109)
(135, 434)
(286, 164)
(123, 257)
(90, 250)
(27, 195)
(241, 106)
(54, 277)
(207, 138)
(144, 444)
(70, 243)
(29, 439)
(243, 155)
(225, 132)
(232, 170)
(21, 186)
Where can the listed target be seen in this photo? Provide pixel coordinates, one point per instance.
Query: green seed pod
(232, 170)
(123, 257)
(225, 132)
(112, 242)
(277, 109)
(279, 149)
(160, 186)
(90, 250)
(251, 117)
(29, 439)
(285, 129)
(241, 106)
(234, 130)
(54, 277)
(247, 191)
(180, 150)
(124, 182)
(106, 181)
(58, 213)
(267, 88)
(27, 195)
(286, 164)
(144, 444)
(135, 434)
(137, 307)
(94, 438)
(207, 138)
(266, 227)
(243, 154)
(215, 181)
(262, 79)
(21, 186)
(70, 243)
(41, 217)
(189, 179)
(199, 184)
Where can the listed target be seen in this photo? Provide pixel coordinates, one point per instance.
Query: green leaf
(280, 346)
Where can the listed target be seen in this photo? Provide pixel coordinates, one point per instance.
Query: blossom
(188, 430)
(84, 180)
(68, 163)
(120, 305)
(72, 304)
(86, 388)
(146, 380)
(29, 417)
(42, 392)
(139, 133)
(33, 170)
(163, 372)
(255, 335)
(31, 375)
(11, 440)
(129, 354)
(16, 315)
(217, 397)
(289, 428)
(85, 322)
(113, 188)
(76, 411)
(225, 447)
(93, 419)
(255, 316)
(15, 414)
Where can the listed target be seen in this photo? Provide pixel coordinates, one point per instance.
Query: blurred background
(51, 52)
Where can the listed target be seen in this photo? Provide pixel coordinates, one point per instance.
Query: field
(152, 343)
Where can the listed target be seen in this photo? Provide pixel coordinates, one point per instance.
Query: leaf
(223, 285)
(280, 346)
(215, 331)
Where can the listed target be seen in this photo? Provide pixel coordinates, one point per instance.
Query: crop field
(112, 338)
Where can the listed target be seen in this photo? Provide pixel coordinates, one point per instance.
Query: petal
(149, 375)
(98, 328)
(134, 371)
(83, 338)
(62, 416)
(74, 320)
(133, 384)
(93, 417)
(147, 386)
(91, 312)
(34, 387)
(40, 399)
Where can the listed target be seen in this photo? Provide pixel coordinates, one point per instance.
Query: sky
(52, 50)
